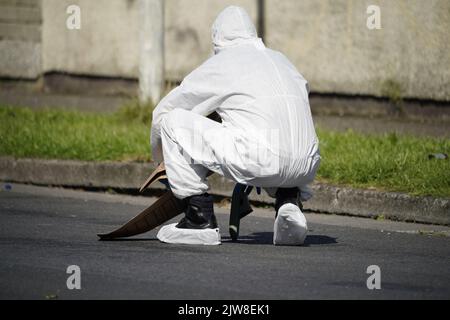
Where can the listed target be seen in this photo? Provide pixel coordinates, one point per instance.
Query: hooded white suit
(266, 138)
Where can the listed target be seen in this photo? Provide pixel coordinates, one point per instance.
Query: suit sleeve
(200, 92)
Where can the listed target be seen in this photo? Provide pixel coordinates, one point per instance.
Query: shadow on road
(128, 239)
(267, 238)
(319, 240)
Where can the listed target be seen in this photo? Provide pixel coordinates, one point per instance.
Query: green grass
(387, 162)
(57, 134)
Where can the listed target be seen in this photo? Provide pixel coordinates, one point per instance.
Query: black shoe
(199, 213)
(287, 195)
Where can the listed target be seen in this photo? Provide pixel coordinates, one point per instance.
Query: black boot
(199, 213)
(287, 195)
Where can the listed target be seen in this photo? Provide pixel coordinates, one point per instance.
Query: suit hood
(232, 26)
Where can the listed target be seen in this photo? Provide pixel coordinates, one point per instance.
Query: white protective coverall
(266, 138)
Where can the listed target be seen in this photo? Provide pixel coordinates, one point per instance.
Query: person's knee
(173, 120)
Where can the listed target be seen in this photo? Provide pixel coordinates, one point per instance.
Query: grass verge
(388, 162)
(58, 134)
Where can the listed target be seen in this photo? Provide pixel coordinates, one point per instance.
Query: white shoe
(290, 227)
(171, 234)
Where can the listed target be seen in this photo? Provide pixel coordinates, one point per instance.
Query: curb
(129, 175)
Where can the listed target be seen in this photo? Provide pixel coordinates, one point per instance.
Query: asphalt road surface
(44, 230)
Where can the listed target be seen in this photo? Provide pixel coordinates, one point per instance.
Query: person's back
(263, 95)
(265, 92)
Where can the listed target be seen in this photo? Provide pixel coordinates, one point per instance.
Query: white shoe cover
(290, 227)
(171, 234)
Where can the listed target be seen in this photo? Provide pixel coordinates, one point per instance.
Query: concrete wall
(329, 42)
(326, 39)
(20, 38)
(107, 43)
(188, 31)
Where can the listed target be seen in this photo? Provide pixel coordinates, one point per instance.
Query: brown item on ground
(164, 209)
(158, 174)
